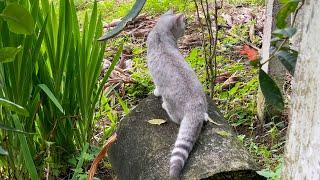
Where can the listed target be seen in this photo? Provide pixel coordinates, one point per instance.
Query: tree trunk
(274, 68)
(302, 159)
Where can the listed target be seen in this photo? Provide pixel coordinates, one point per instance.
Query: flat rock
(142, 150)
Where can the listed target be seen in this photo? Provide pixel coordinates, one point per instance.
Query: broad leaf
(18, 18)
(285, 33)
(51, 96)
(7, 54)
(3, 152)
(288, 58)
(284, 12)
(138, 5)
(270, 91)
(13, 107)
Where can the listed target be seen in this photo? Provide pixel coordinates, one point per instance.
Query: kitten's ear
(170, 12)
(180, 18)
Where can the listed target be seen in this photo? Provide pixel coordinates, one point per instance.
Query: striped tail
(189, 131)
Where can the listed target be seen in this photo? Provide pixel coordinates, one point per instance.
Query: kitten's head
(172, 23)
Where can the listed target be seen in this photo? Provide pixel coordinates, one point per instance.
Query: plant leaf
(270, 91)
(138, 5)
(3, 152)
(285, 33)
(115, 60)
(80, 162)
(25, 150)
(157, 121)
(14, 107)
(123, 104)
(18, 18)
(288, 58)
(7, 54)
(13, 129)
(284, 12)
(51, 96)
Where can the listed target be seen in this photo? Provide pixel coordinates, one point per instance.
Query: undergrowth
(236, 102)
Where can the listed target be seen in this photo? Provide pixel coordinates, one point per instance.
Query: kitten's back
(181, 91)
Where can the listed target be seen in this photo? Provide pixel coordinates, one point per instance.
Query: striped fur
(177, 84)
(187, 136)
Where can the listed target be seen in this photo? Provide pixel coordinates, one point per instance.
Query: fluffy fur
(182, 94)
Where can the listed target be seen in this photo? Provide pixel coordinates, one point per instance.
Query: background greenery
(56, 92)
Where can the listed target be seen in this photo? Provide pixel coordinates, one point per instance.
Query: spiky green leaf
(51, 96)
(13, 107)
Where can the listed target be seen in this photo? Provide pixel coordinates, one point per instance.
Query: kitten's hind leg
(156, 92)
(166, 108)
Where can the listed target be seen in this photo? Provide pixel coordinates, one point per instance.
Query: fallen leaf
(157, 121)
(223, 133)
(231, 81)
(251, 53)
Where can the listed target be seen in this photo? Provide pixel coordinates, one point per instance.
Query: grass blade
(111, 67)
(14, 107)
(80, 162)
(51, 96)
(7, 128)
(29, 164)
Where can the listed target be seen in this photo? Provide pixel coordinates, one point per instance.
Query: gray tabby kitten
(183, 97)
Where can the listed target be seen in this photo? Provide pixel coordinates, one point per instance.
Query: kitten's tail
(189, 131)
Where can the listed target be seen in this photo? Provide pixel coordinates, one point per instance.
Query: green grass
(115, 9)
(247, 2)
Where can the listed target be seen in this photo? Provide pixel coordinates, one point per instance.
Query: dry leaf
(157, 121)
(230, 82)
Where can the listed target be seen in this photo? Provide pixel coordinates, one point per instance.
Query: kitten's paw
(156, 92)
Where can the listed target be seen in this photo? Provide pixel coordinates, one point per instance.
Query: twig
(203, 42)
(274, 52)
(100, 156)
(215, 43)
